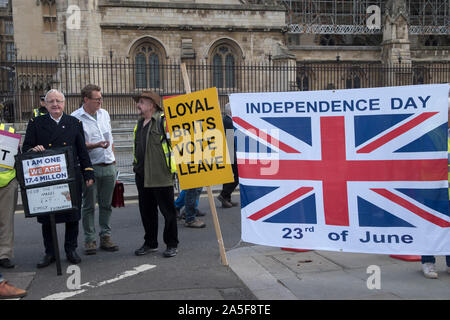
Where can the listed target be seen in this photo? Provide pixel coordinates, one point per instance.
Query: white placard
(9, 145)
(45, 169)
(49, 199)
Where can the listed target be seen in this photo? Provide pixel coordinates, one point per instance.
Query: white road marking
(88, 285)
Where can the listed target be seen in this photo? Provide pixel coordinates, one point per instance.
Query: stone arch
(224, 55)
(147, 54)
(224, 41)
(150, 39)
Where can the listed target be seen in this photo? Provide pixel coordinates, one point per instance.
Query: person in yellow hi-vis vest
(154, 167)
(8, 200)
(41, 110)
(428, 262)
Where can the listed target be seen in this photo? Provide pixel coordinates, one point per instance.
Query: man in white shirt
(99, 142)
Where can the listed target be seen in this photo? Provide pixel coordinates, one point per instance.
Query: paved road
(255, 272)
(195, 273)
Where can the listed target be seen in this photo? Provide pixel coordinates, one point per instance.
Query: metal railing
(24, 80)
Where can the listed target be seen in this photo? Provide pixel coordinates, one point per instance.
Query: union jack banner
(360, 170)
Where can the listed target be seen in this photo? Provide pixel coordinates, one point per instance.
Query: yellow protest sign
(198, 139)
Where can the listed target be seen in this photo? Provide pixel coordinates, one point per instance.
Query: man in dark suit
(53, 130)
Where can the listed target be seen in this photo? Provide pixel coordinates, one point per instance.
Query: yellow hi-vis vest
(167, 149)
(6, 175)
(36, 113)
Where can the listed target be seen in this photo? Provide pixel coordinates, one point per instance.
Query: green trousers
(8, 201)
(101, 191)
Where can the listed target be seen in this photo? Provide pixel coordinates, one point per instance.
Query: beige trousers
(8, 201)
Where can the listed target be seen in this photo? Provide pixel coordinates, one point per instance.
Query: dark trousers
(150, 199)
(190, 202)
(228, 188)
(432, 259)
(70, 238)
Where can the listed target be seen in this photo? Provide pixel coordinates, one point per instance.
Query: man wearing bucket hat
(154, 167)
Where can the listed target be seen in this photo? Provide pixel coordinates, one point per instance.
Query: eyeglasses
(53, 101)
(96, 99)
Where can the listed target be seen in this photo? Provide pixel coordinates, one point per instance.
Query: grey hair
(54, 91)
(227, 109)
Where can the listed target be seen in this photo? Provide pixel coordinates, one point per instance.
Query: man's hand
(100, 144)
(104, 144)
(38, 148)
(89, 182)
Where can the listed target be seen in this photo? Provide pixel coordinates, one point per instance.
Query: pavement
(275, 274)
(272, 273)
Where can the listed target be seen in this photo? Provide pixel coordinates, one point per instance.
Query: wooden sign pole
(212, 204)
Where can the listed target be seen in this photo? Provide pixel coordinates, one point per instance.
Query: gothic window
(303, 82)
(224, 67)
(9, 28)
(354, 78)
(217, 71)
(141, 70)
(431, 41)
(147, 60)
(49, 15)
(327, 40)
(420, 75)
(10, 51)
(353, 81)
(303, 79)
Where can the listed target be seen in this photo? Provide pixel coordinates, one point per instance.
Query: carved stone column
(396, 45)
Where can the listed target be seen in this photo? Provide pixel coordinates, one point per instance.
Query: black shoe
(225, 202)
(46, 261)
(6, 263)
(73, 257)
(170, 252)
(145, 249)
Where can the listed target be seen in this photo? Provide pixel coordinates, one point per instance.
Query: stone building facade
(6, 31)
(177, 29)
(144, 35)
(181, 30)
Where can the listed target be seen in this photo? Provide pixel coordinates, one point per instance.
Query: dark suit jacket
(228, 125)
(227, 122)
(44, 131)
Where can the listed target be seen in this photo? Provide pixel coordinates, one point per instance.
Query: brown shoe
(107, 245)
(90, 248)
(195, 224)
(234, 203)
(7, 291)
(225, 203)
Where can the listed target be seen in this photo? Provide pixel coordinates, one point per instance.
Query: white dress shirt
(56, 120)
(95, 131)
